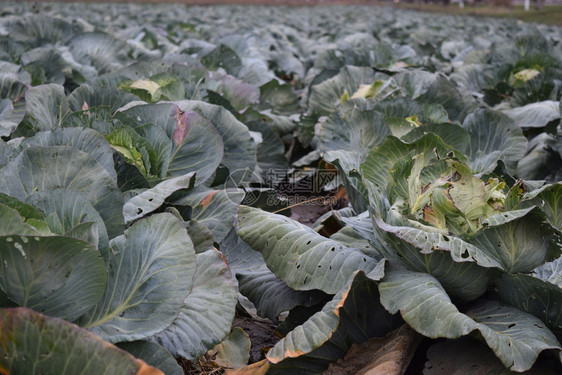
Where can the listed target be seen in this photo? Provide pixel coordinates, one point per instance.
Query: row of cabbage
(138, 143)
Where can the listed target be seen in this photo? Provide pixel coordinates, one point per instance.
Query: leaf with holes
(298, 255)
(516, 337)
(150, 199)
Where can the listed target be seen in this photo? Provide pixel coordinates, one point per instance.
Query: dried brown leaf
(258, 368)
(389, 355)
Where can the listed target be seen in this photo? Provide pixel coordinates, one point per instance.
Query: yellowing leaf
(344, 97)
(368, 91)
(128, 153)
(147, 85)
(131, 147)
(444, 193)
(258, 368)
(414, 121)
(525, 75)
(234, 351)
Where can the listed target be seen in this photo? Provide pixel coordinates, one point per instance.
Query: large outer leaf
(154, 355)
(12, 108)
(428, 242)
(298, 255)
(9, 117)
(149, 200)
(397, 110)
(201, 236)
(280, 99)
(493, 136)
(150, 270)
(270, 153)
(270, 295)
(45, 64)
(549, 199)
(540, 161)
(516, 337)
(423, 304)
(39, 29)
(195, 153)
(64, 210)
(216, 209)
(14, 223)
(535, 115)
(352, 128)
(466, 280)
(452, 134)
(45, 108)
(415, 82)
(519, 244)
(85, 140)
(206, 315)
(12, 86)
(101, 50)
(239, 146)
(196, 144)
(31, 343)
(38, 169)
(240, 94)
(468, 356)
(346, 136)
(457, 103)
(539, 294)
(326, 96)
(550, 272)
(353, 316)
(222, 57)
(57, 276)
(104, 97)
(87, 232)
(349, 237)
(533, 295)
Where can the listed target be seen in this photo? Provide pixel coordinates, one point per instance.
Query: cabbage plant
(450, 252)
(138, 212)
